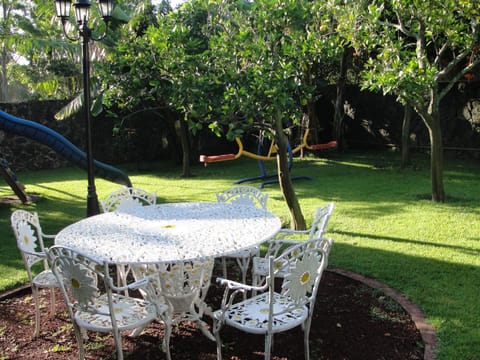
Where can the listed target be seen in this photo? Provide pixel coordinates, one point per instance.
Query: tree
(418, 50)
(234, 66)
(240, 66)
(34, 57)
(156, 63)
(12, 15)
(265, 52)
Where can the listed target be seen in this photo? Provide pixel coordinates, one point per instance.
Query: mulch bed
(351, 321)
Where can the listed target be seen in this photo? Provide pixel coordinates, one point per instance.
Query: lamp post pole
(92, 198)
(85, 33)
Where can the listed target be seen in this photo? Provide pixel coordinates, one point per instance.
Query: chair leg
(138, 331)
(203, 328)
(218, 340)
(306, 348)
(306, 336)
(256, 281)
(166, 339)
(78, 335)
(243, 264)
(268, 346)
(52, 301)
(37, 310)
(122, 277)
(118, 344)
(224, 267)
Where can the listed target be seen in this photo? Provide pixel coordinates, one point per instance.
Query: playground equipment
(271, 155)
(60, 145)
(11, 179)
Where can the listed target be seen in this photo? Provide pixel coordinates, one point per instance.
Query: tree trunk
(285, 180)
(436, 160)
(4, 75)
(182, 132)
(432, 121)
(338, 116)
(407, 116)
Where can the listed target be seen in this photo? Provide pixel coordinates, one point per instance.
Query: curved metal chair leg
(218, 340)
(37, 310)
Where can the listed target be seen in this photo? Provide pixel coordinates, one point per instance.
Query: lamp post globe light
(82, 8)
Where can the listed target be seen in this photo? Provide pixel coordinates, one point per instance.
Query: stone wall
(372, 120)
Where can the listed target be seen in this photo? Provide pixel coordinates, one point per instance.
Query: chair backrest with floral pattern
(94, 301)
(126, 198)
(244, 195)
(303, 265)
(29, 236)
(79, 278)
(181, 285)
(320, 220)
(185, 284)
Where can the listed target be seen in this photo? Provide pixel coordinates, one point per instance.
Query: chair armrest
(40, 254)
(284, 234)
(232, 289)
(138, 284)
(281, 242)
(131, 286)
(49, 236)
(234, 285)
(48, 240)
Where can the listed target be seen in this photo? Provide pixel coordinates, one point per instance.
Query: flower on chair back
(126, 204)
(28, 240)
(301, 278)
(79, 280)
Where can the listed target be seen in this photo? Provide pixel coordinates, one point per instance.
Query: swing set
(271, 155)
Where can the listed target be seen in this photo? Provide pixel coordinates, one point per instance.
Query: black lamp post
(85, 33)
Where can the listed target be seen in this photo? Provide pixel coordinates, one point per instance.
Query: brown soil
(351, 321)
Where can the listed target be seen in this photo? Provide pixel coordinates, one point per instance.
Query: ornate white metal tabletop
(170, 232)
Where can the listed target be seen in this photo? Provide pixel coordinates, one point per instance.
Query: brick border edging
(14, 292)
(427, 331)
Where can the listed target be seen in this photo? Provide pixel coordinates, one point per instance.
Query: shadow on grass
(446, 291)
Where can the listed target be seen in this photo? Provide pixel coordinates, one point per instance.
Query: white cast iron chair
(127, 197)
(272, 312)
(124, 199)
(93, 300)
(244, 196)
(30, 242)
(182, 287)
(287, 237)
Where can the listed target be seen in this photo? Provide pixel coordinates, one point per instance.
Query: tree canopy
(416, 50)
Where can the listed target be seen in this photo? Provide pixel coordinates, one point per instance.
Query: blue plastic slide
(61, 145)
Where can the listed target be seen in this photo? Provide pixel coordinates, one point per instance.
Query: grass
(383, 225)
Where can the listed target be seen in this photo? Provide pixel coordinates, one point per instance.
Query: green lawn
(383, 225)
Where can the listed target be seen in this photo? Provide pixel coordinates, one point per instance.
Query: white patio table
(170, 232)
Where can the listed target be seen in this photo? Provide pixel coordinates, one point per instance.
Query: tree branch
(401, 26)
(457, 77)
(442, 74)
(442, 50)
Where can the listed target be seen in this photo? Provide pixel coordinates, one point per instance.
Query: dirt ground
(351, 321)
